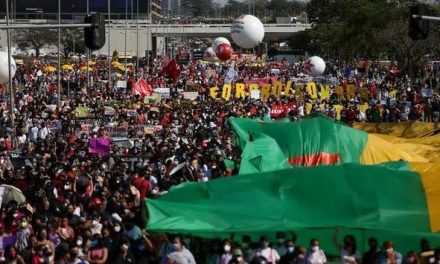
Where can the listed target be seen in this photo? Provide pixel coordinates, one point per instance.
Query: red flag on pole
(172, 70)
(142, 88)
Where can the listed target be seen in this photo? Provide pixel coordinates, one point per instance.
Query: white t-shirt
(348, 259)
(270, 254)
(22, 139)
(34, 133)
(300, 110)
(316, 257)
(43, 133)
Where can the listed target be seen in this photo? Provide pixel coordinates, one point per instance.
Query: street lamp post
(11, 88)
(125, 45)
(59, 53)
(108, 44)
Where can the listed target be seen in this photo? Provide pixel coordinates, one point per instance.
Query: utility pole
(11, 87)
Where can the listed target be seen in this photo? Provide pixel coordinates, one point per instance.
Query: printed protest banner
(117, 132)
(121, 84)
(163, 92)
(109, 111)
(132, 113)
(99, 146)
(190, 95)
(54, 125)
(82, 111)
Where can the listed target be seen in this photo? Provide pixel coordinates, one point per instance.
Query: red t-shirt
(142, 185)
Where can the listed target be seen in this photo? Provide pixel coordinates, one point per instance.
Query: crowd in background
(83, 207)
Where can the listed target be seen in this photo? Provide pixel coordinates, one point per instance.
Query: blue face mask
(290, 249)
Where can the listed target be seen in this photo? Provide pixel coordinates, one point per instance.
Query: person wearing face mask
(237, 257)
(348, 251)
(290, 255)
(181, 255)
(315, 255)
(265, 251)
(388, 255)
(226, 255)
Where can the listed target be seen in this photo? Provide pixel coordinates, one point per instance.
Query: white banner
(255, 94)
(163, 92)
(121, 84)
(190, 95)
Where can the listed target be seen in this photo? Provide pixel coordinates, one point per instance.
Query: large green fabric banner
(270, 146)
(368, 200)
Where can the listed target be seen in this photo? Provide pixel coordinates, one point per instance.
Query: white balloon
(218, 41)
(210, 54)
(314, 66)
(4, 71)
(247, 31)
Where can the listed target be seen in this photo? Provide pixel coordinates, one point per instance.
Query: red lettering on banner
(322, 158)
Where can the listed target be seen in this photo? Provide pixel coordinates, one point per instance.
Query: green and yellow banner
(268, 145)
(399, 201)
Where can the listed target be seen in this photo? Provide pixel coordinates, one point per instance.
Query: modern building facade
(76, 9)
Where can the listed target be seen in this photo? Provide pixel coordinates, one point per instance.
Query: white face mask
(124, 247)
(117, 228)
(79, 243)
(315, 248)
(240, 259)
(227, 248)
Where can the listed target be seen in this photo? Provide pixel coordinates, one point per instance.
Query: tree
(367, 29)
(72, 41)
(34, 39)
(283, 8)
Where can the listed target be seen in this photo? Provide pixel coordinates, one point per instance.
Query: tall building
(76, 9)
(156, 10)
(171, 6)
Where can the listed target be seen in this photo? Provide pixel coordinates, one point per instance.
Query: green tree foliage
(366, 29)
(72, 41)
(282, 8)
(34, 39)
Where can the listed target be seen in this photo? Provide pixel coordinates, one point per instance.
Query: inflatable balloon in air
(224, 52)
(247, 31)
(209, 54)
(4, 71)
(218, 41)
(314, 66)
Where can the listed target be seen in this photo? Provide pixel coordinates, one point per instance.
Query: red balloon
(224, 52)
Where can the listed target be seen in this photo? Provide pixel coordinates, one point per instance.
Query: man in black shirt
(370, 256)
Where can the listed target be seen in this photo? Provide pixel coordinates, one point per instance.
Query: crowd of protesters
(84, 208)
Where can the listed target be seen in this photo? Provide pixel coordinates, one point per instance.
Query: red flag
(142, 88)
(172, 70)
